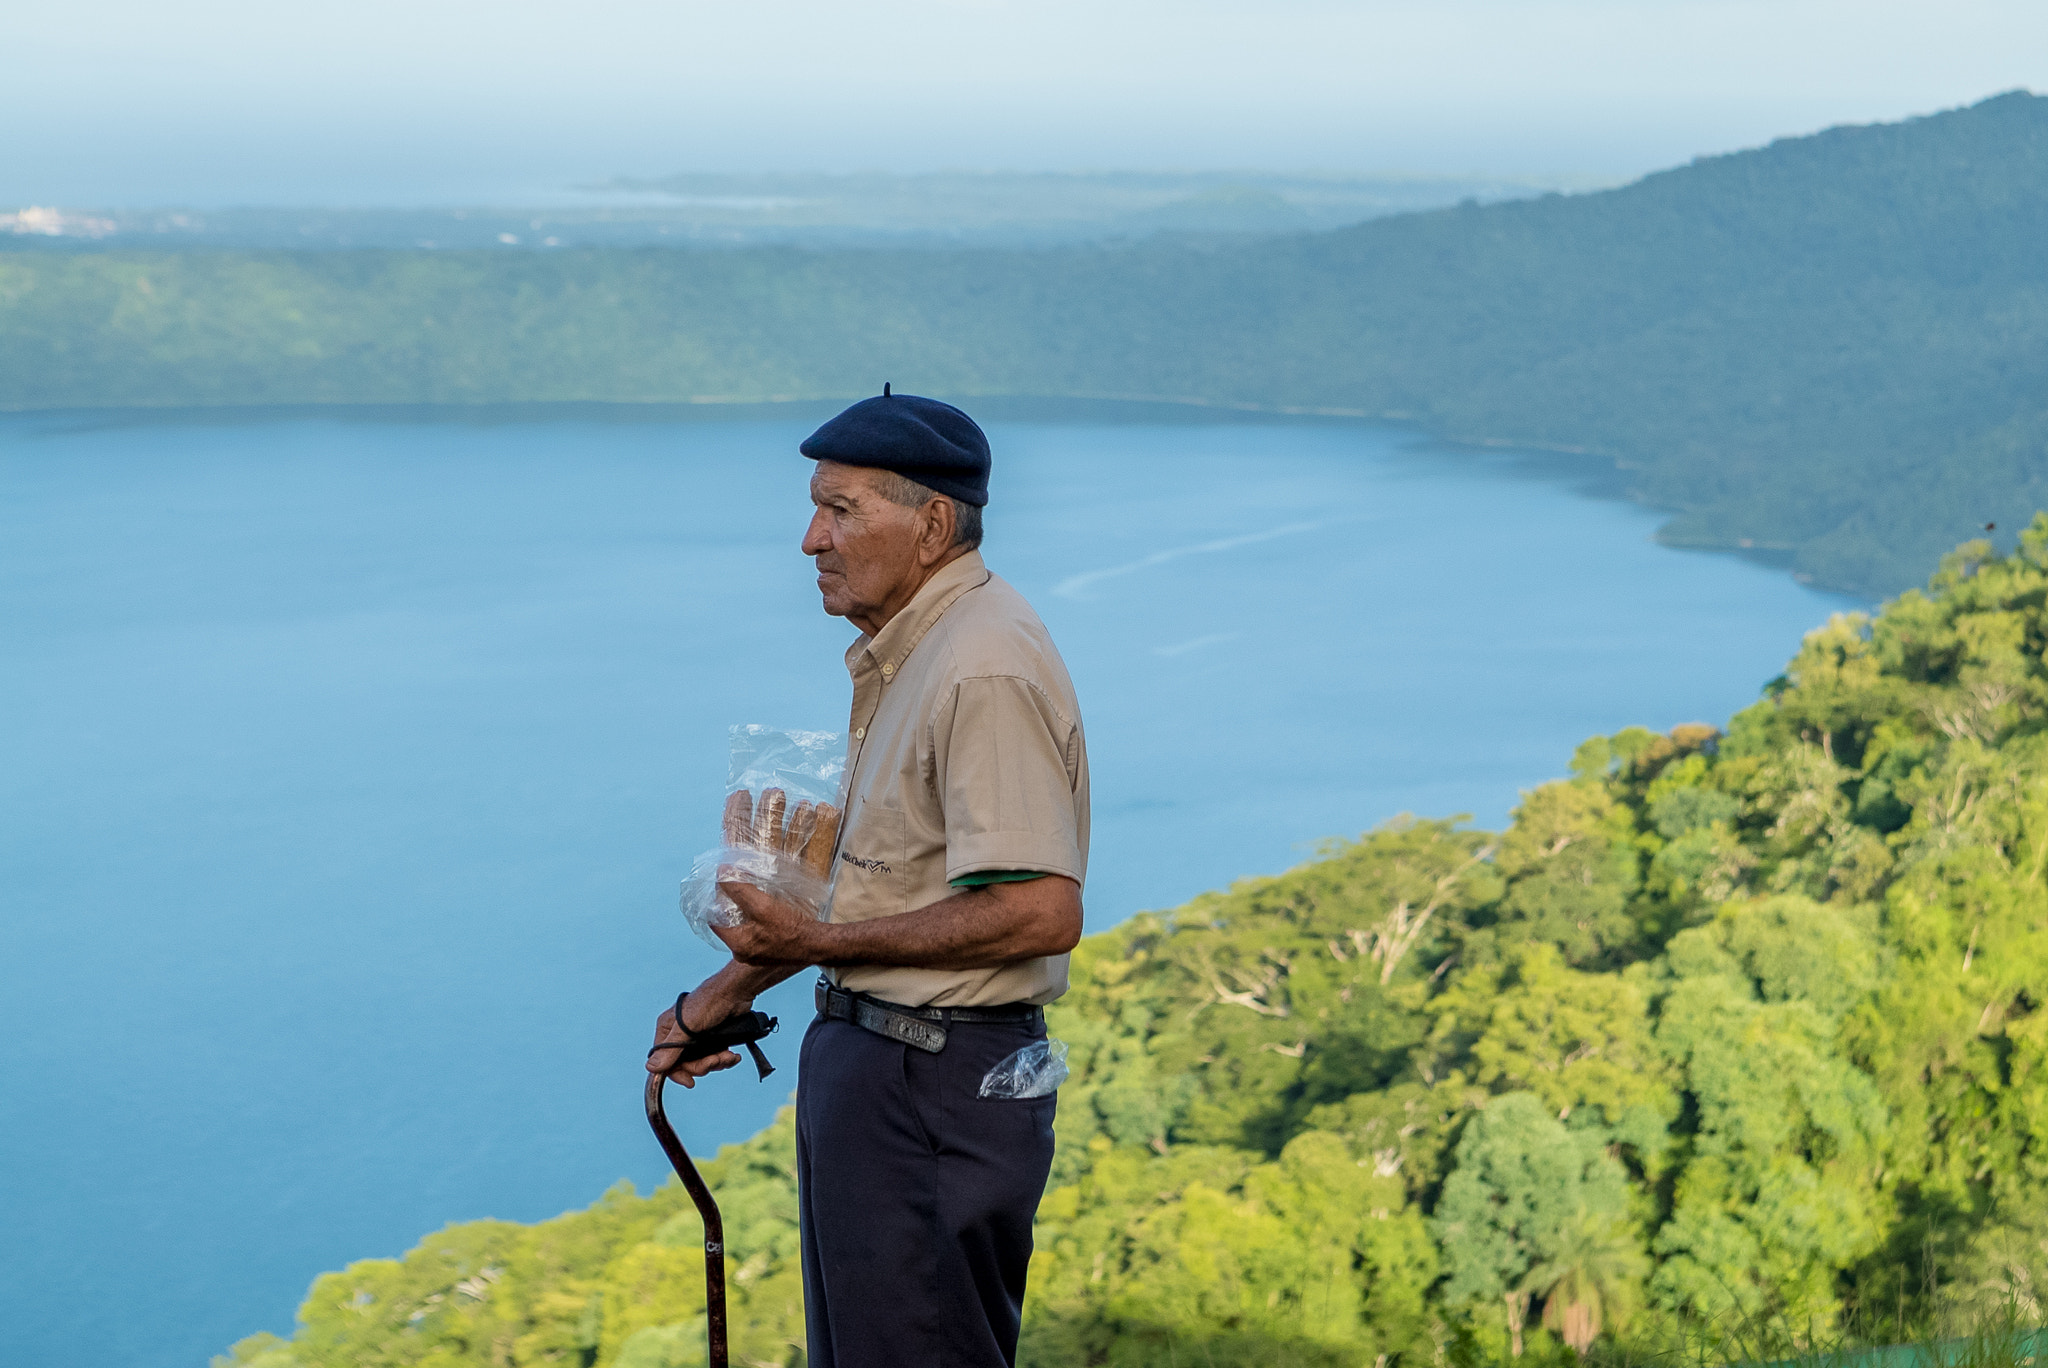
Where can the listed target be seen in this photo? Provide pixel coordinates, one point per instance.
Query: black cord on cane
(740, 1029)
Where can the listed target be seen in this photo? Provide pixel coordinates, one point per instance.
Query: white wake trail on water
(1074, 586)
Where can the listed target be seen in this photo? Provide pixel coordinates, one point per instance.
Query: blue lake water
(348, 768)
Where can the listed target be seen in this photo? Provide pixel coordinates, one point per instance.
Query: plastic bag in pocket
(1037, 1070)
(781, 826)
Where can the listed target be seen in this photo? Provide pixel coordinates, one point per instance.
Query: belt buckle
(904, 1028)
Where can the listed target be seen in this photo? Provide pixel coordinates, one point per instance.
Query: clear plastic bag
(780, 829)
(1037, 1070)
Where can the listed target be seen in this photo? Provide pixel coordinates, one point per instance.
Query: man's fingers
(744, 896)
(663, 1061)
(755, 901)
(665, 1033)
(770, 932)
(747, 943)
(670, 1038)
(688, 1074)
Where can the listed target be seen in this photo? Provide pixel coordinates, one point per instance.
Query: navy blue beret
(932, 443)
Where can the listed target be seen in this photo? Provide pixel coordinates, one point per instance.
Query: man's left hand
(685, 1072)
(771, 931)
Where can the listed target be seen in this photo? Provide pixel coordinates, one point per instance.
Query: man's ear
(940, 522)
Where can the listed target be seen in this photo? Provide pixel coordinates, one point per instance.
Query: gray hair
(905, 492)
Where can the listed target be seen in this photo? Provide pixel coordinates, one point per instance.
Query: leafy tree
(2003, 1271)
(1590, 1279)
(1582, 1043)
(1572, 867)
(1776, 1198)
(1382, 1108)
(1531, 1207)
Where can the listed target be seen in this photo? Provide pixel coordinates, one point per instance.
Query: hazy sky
(252, 101)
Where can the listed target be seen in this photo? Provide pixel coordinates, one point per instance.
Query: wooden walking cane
(746, 1030)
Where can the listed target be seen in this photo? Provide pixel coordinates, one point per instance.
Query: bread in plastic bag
(780, 830)
(1037, 1070)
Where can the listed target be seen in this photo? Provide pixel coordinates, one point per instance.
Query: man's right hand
(703, 1008)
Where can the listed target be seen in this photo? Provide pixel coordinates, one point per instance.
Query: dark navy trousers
(917, 1198)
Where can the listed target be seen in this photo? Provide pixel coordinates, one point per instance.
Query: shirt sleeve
(1003, 761)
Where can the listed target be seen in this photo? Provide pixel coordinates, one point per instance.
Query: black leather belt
(922, 1028)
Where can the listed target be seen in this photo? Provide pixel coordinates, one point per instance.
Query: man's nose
(817, 540)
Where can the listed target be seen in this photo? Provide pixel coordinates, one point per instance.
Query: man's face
(865, 546)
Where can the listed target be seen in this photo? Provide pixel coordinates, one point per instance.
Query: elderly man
(956, 897)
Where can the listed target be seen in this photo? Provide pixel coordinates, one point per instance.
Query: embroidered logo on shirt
(870, 866)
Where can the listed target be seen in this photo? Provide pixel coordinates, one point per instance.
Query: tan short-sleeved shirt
(964, 753)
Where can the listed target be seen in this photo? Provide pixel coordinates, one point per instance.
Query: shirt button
(888, 670)
(860, 733)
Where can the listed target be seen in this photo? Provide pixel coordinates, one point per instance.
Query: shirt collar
(890, 647)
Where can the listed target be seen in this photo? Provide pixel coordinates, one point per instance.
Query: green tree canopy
(1793, 1071)
(1530, 1207)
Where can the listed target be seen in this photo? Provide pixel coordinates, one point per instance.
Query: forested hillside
(1833, 349)
(1736, 1028)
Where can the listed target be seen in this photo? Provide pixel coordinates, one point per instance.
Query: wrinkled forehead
(850, 482)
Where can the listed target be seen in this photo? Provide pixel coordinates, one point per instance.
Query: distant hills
(993, 208)
(1832, 350)
(1834, 347)
(873, 209)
